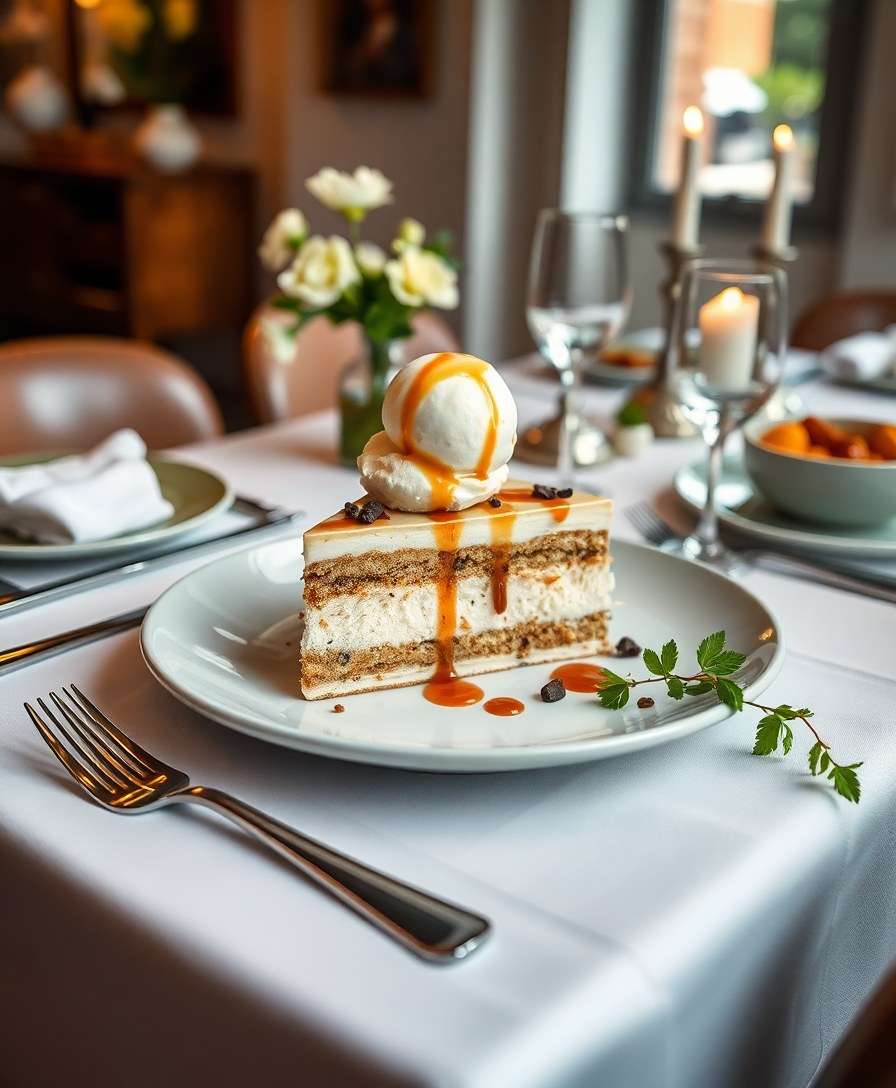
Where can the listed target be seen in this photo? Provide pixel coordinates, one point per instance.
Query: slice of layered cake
(445, 569)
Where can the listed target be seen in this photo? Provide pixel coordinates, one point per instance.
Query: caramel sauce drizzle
(559, 507)
(501, 525)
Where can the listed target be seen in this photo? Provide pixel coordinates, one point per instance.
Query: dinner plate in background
(876, 385)
(195, 493)
(225, 641)
(746, 510)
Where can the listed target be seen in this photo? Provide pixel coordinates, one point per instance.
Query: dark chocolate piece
(627, 647)
(553, 691)
(338, 708)
(494, 501)
(544, 491)
(564, 493)
(645, 702)
(352, 510)
(370, 511)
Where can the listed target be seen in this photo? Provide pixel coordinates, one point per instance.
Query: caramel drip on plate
(446, 364)
(445, 688)
(579, 676)
(558, 507)
(504, 706)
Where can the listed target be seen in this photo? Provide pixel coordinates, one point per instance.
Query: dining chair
(70, 392)
(844, 314)
(866, 1055)
(292, 374)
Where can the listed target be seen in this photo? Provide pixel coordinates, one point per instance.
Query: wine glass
(579, 297)
(735, 313)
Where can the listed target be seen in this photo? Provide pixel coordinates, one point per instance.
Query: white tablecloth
(691, 917)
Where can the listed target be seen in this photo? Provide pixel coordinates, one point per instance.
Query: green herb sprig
(716, 664)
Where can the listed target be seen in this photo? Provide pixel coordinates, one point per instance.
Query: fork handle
(816, 572)
(437, 930)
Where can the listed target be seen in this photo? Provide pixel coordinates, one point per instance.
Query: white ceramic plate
(224, 640)
(195, 493)
(742, 508)
(876, 385)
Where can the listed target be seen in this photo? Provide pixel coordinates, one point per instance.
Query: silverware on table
(123, 777)
(14, 598)
(658, 532)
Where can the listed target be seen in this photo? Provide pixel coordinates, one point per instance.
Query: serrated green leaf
(768, 732)
(730, 693)
(700, 688)
(786, 712)
(804, 712)
(824, 762)
(814, 756)
(787, 743)
(669, 655)
(653, 663)
(725, 663)
(611, 679)
(711, 646)
(613, 697)
(675, 687)
(846, 783)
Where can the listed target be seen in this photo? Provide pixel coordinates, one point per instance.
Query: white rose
(282, 238)
(351, 194)
(411, 232)
(322, 270)
(371, 259)
(420, 278)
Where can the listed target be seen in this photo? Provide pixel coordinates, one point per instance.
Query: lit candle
(686, 213)
(728, 327)
(776, 222)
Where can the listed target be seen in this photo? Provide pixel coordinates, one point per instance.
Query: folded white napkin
(863, 357)
(109, 491)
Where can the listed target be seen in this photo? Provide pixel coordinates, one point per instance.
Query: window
(750, 65)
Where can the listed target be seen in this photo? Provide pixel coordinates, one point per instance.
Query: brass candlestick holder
(659, 398)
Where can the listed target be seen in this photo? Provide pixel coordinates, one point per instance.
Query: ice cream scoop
(450, 428)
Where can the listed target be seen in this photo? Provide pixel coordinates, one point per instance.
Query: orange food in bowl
(883, 441)
(791, 437)
(823, 433)
(853, 448)
(818, 451)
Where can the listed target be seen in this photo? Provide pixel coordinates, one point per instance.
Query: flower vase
(362, 389)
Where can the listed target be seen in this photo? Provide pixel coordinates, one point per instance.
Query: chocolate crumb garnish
(544, 491)
(627, 647)
(370, 512)
(344, 657)
(553, 691)
(352, 510)
(564, 493)
(338, 709)
(494, 501)
(645, 702)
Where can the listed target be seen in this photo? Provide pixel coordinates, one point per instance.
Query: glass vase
(362, 388)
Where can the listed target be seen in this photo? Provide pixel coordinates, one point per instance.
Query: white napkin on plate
(863, 357)
(108, 491)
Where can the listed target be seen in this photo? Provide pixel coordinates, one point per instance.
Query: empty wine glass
(579, 297)
(735, 314)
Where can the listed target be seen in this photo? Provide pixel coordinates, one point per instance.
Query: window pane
(749, 64)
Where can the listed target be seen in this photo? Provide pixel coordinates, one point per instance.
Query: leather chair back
(291, 375)
(844, 314)
(69, 392)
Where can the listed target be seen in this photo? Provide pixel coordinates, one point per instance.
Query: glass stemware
(579, 297)
(735, 314)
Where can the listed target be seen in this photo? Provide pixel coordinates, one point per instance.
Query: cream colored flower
(282, 239)
(351, 194)
(420, 278)
(123, 22)
(411, 232)
(180, 18)
(322, 270)
(371, 259)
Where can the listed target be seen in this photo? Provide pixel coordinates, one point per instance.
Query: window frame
(836, 132)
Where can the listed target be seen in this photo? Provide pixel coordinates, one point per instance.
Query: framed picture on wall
(378, 48)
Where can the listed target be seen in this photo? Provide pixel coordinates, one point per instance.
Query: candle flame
(731, 298)
(782, 138)
(692, 121)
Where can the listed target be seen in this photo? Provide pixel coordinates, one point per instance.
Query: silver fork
(658, 532)
(123, 777)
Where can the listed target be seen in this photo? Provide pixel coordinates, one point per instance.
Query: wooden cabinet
(123, 250)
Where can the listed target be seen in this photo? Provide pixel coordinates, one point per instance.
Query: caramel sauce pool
(504, 707)
(579, 676)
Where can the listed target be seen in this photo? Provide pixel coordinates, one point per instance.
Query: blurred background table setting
(229, 228)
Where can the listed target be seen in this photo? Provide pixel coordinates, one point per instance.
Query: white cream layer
(409, 613)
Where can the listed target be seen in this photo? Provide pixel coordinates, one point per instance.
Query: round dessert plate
(224, 640)
(195, 493)
(885, 384)
(743, 508)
